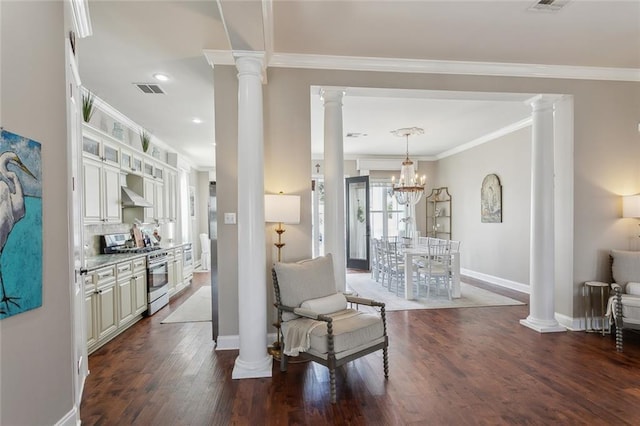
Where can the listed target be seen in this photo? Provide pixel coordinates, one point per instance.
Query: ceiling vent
(150, 88)
(548, 5)
(356, 135)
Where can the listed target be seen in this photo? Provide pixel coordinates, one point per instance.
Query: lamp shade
(631, 206)
(282, 208)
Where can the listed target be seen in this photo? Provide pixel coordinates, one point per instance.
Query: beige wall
(36, 362)
(606, 150)
(496, 249)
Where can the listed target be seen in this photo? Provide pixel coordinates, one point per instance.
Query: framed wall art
(20, 224)
(491, 199)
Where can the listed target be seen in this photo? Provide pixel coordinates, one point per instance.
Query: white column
(334, 225)
(542, 258)
(253, 360)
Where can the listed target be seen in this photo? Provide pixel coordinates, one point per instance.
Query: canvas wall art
(20, 224)
(491, 199)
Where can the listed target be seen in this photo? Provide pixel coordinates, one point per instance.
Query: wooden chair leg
(385, 359)
(332, 381)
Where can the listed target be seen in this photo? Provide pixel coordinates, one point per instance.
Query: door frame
(361, 264)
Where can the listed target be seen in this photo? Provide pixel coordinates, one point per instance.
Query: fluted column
(253, 360)
(542, 256)
(334, 225)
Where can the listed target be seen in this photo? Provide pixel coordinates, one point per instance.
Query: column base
(542, 326)
(252, 370)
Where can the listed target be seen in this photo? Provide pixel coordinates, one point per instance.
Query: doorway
(358, 222)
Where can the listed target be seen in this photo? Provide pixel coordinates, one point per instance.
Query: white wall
(495, 249)
(36, 361)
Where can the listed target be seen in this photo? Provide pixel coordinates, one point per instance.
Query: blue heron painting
(20, 224)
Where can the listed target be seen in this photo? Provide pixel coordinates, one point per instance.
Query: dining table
(411, 252)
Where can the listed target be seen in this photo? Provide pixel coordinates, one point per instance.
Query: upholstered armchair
(316, 323)
(624, 305)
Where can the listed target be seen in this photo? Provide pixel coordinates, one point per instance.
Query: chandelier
(409, 188)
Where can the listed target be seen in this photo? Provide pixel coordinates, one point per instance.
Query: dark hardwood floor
(447, 367)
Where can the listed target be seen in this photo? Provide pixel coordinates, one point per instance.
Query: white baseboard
(571, 324)
(226, 343)
(513, 285)
(72, 418)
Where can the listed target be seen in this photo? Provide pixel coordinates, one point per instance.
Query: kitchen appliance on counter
(122, 244)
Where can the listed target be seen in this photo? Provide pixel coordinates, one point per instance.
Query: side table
(590, 289)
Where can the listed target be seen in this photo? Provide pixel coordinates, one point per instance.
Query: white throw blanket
(297, 335)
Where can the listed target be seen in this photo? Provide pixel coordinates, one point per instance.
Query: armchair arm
(363, 301)
(308, 313)
(615, 286)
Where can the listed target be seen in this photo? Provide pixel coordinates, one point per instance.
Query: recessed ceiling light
(161, 77)
(196, 120)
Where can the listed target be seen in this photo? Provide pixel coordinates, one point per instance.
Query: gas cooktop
(127, 250)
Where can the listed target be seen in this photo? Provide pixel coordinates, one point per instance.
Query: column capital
(542, 102)
(332, 94)
(250, 63)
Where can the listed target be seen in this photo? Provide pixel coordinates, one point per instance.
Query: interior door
(74, 199)
(357, 205)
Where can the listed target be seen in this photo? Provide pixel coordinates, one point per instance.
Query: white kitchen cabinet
(154, 194)
(90, 310)
(101, 306)
(126, 295)
(171, 199)
(101, 192)
(130, 162)
(175, 269)
(140, 285)
(115, 298)
(171, 270)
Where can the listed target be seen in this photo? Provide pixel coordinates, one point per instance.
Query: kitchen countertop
(102, 260)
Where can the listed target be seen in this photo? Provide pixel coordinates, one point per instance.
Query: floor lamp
(280, 208)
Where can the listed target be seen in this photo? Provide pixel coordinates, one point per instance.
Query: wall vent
(150, 88)
(548, 5)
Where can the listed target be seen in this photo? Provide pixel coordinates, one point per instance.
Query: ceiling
(132, 40)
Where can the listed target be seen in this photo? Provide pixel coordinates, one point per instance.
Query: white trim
(72, 418)
(425, 66)
(219, 57)
(570, 323)
(225, 343)
(81, 18)
(513, 285)
(267, 28)
(487, 138)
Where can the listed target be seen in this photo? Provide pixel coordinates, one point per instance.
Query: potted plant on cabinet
(87, 106)
(145, 139)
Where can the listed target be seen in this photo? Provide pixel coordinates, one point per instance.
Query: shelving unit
(439, 213)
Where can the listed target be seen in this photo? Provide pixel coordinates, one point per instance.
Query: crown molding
(349, 63)
(487, 138)
(426, 66)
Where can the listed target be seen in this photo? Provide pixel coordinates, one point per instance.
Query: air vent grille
(355, 135)
(548, 5)
(149, 88)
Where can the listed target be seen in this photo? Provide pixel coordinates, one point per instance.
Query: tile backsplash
(92, 235)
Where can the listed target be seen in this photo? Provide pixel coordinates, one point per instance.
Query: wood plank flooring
(464, 366)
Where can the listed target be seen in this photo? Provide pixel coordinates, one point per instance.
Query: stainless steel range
(157, 281)
(157, 267)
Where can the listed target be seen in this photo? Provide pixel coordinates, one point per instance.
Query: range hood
(131, 199)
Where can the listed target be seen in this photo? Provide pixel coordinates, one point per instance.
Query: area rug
(196, 308)
(472, 296)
